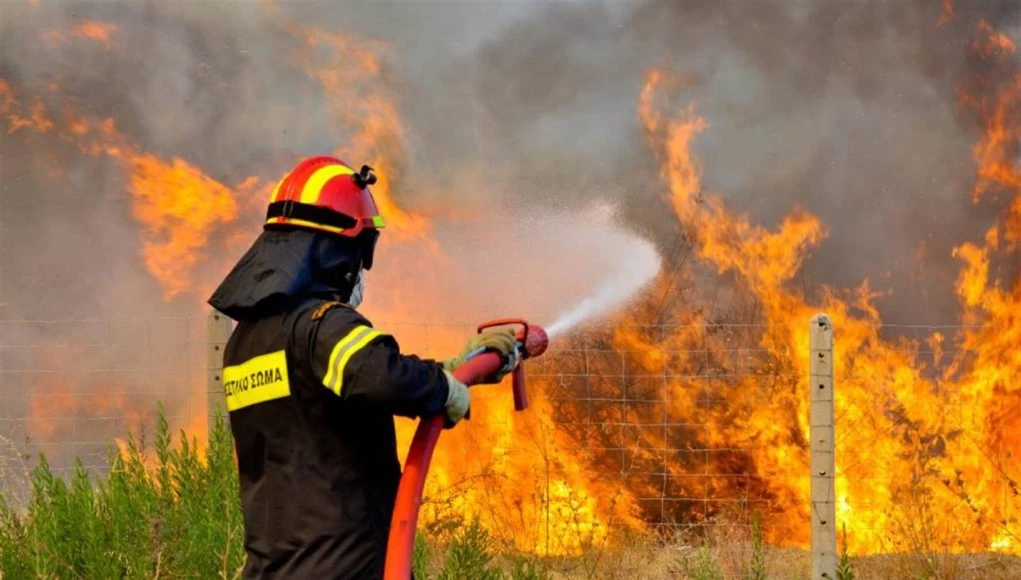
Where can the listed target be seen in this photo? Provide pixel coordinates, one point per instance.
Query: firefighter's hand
(501, 341)
(457, 401)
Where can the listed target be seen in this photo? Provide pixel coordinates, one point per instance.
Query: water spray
(532, 341)
(622, 284)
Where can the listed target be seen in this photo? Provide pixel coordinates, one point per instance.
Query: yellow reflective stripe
(290, 220)
(350, 352)
(339, 349)
(377, 220)
(314, 184)
(342, 353)
(257, 380)
(276, 191)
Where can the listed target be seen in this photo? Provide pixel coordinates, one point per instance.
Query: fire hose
(532, 342)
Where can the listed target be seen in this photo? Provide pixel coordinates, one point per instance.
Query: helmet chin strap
(358, 291)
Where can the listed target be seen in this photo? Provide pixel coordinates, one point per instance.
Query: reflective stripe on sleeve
(342, 353)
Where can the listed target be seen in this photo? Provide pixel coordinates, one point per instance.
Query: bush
(169, 512)
(180, 517)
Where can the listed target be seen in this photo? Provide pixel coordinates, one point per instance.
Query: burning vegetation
(674, 412)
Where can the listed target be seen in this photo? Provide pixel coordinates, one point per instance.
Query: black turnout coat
(311, 389)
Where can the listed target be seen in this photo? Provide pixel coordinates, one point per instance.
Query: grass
(173, 512)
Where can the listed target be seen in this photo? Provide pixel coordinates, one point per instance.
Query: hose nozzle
(534, 341)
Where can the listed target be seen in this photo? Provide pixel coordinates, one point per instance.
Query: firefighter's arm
(364, 365)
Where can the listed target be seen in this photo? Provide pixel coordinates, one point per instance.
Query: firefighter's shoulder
(324, 308)
(337, 321)
(331, 313)
(340, 333)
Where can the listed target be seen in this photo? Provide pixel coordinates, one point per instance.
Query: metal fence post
(820, 379)
(218, 329)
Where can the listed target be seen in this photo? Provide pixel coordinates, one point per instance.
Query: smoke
(848, 110)
(517, 118)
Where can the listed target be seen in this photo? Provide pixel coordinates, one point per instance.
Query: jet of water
(638, 264)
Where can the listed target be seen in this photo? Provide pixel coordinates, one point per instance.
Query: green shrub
(169, 512)
(757, 566)
(703, 567)
(470, 556)
(181, 518)
(527, 569)
(845, 571)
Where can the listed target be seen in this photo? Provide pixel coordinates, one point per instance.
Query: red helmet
(324, 193)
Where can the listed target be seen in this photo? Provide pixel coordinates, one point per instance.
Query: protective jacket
(311, 393)
(311, 390)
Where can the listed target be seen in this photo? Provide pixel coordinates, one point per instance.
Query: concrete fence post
(218, 329)
(820, 382)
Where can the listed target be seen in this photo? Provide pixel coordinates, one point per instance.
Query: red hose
(401, 544)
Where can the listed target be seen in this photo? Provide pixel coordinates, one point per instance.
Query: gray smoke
(846, 109)
(849, 110)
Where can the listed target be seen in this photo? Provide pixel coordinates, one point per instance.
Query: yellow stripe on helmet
(314, 184)
(295, 222)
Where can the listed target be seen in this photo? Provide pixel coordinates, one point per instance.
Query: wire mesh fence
(696, 429)
(70, 389)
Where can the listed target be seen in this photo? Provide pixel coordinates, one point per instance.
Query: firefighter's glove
(457, 401)
(501, 341)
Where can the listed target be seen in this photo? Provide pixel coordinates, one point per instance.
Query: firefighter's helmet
(325, 194)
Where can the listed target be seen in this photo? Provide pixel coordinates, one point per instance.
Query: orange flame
(176, 203)
(10, 109)
(991, 42)
(946, 13)
(365, 110)
(921, 453)
(898, 469)
(100, 32)
(179, 206)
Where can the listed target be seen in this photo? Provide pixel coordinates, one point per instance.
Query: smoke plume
(847, 110)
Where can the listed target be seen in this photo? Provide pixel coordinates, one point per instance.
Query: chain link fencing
(697, 430)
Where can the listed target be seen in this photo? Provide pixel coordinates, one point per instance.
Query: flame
(100, 32)
(365, 110)
(926, 453)
(180, 210)
(946, 13)
(178, 205)
(515, 473)
(10, 109)
(67, 407)
(992, 43)
(75, 411)
(904, 472)
(93, 30)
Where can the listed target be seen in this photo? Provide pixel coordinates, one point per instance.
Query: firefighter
(312, 387)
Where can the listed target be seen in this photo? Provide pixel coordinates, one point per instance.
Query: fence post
(820, 382)
(218, 329)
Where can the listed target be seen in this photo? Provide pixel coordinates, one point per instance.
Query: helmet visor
(368, 239)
